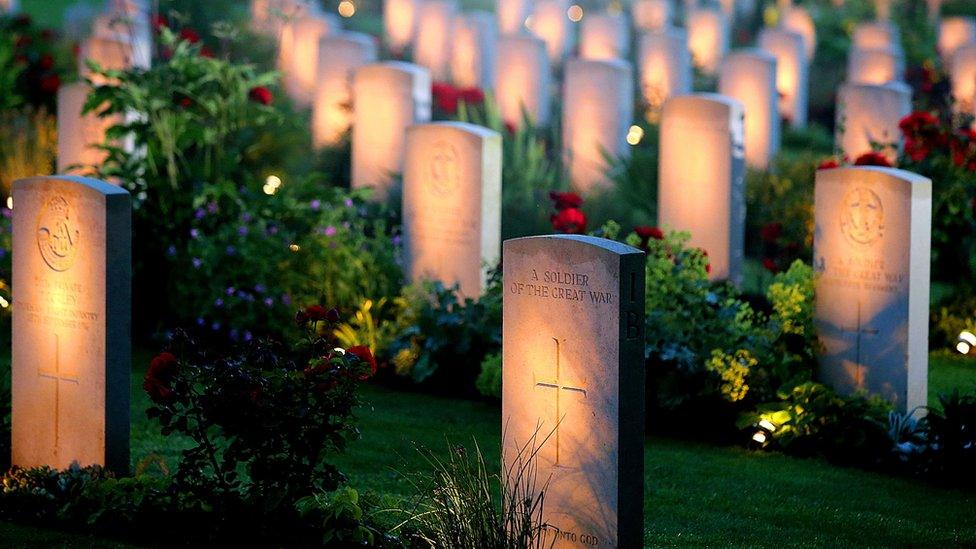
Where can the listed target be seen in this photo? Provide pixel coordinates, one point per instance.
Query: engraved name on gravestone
(71, 346)
(452, 204)
(573, 382)
(701, 174)
(871, 255)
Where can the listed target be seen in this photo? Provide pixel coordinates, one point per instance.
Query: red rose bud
(828, 164)
(189, 35)
(445, 96)
(162, 369)
(770, 265)
(46, 61)
(569, 221)
(563, 201)
(50, 83)
(472, 96)
(206, 52)
(261, 95)
(872, 159)
(363, 353)
(646, 233)
(158, 22)
(771, 232)
(315, 312)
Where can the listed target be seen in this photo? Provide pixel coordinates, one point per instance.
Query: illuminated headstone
(9, 6)
(934, 9)
(962, 74)
(71, 341)
(452, 204)
(512, 15)
(876, 35)
(269, 17)
(651, 15)
(882, 9)
(799, 21)
(875, 66)
(551, 24)
(664, 66)
(523, 81)
(78, 134)
(792, 72)
(129, 24)
(343, 53)
(573, 383)
(868, 115)
(871, 255)
(701, 177)
(399, 20)
(473, 59)
(708, 37)
(749, 76)
(109, 54)
(604, 36)
(433, 41)
(955, 32)
(301, 63)
(389, 97)
(599, 96)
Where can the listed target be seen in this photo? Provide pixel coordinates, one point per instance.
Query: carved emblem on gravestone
(445, 176)
(57, 235)
(862, 216)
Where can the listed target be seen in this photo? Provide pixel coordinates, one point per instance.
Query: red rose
(445, 96)
(315, 312)
(769, 264)
(510, 128)
(828, 164)
(158, 22)
(570, 221)
(923, 133)
(46, 61)
(771, 232)
(563, 201)
(186, 102)
(189, 35)
(363, 353)
(260, 94)
(206, 52)
(332, 315)
(162, 369)
(50, 83)
(708, 264)
(963, 147)
(646, 233)
(872, 159)
(472, 96)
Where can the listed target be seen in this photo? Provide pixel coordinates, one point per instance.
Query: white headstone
(792, 72)
(512, 15)
(962, 75)
(604, 36)
(598, 109)
(708, 37)
(875, 66)
(79, 135)
(749, 76)
(955, 32)
(342, 54)
(524, 77)
(871, 254)
(300, 62)
(473, 61)
(573, 384)
(130, 25)
(551, 24)
(868, 115)
(389, 96)
(876, 35)
(109, 54)
(9, 6)
(651, 15)
(665, 66)
(452, 204)
(399, 22)
(701, 177)
(71, 341)
(798, 20)
(434, 38)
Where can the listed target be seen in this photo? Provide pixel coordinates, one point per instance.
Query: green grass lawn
(697, 494)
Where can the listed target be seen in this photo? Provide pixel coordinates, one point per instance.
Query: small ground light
(528, 22)
(10, 202)
(347, 8)
(4, 303)
(271, 185)
(294, 247)
(767, 425)
(966, 342)
(634, 135)
(575, 13)
(759, 437)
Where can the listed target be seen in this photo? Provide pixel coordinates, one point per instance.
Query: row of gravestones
(573, 333)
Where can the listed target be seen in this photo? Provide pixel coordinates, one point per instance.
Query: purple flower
(272, 229)
(330, 231)
(215, 326)
(397, 239)
(234, 334)
(260, 288)
(212, 207)
(197, 262)
(199, 213)
(246, 217)
(194, 233)
(201, 321)
(230, 290)
(346, 225)
(171, 251)
(247, 335)
(231, 250)
(242, 230)
(269, 301)
(349, 203)
(315, 204)
(285, 299)
(219, 302)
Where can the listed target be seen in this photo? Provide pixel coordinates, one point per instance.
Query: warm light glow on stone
(604, 36)
(792, 72)
(749, 76)
(962, 74)
(874, 66)
(664, 64)
(473, 59)
(651, 15)
(955, 32)
(708, 38)
(333, 103)
(434, 37)
(868, 115)
(523, 79)
(398, 21)
(551, 25)
(512, 14)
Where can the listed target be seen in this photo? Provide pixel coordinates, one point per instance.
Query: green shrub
(489, 382)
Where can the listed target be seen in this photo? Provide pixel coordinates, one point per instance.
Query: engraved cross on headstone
(859, 330)
(557, 384)
(57, 376)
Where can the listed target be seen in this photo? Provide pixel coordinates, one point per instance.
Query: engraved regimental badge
(57, 234)
(862, 216)
(445, 176)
